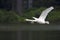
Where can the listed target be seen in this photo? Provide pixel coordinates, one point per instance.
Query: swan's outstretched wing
(45, 13)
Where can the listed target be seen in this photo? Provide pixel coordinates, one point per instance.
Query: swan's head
(47, 22)
(52, 7)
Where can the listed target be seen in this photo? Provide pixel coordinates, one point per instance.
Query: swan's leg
(47, 22)
(34, 17)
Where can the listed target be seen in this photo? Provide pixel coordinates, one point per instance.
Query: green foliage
(8, 16)
(13, 17)
(33, 12)
(53, 16)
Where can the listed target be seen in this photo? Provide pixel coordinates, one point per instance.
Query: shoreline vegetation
(13, 17)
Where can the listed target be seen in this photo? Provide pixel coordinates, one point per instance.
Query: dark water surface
(28, 27)
(29, 32)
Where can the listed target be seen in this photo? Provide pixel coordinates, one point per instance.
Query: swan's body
(41, 19)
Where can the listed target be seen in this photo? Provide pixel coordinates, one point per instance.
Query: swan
(42, 17)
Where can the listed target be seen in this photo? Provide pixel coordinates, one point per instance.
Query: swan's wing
(45, 13)
(28, 20)
(34, 18)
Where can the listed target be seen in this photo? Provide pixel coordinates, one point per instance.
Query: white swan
(41, 19)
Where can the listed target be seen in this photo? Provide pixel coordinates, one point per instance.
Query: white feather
(45, 13)
(41, 19)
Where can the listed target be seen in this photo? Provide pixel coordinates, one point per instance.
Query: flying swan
(41, 19)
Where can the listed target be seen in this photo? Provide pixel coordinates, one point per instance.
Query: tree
(13, 4)
(29, 3)
(19, 7)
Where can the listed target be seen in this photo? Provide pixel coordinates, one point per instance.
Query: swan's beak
(52, 7)
(26, 19)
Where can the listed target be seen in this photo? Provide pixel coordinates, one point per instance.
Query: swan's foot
(47, 22)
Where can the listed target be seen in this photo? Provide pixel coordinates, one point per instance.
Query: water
(29, 32)
(28, 27)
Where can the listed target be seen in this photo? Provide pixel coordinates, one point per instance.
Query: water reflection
(29, 35)
(29, 32)
(31, 27)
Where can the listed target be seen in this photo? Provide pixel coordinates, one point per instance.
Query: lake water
(29, 27)
(29, 32)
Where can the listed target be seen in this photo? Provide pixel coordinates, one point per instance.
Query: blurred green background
(15, 11)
